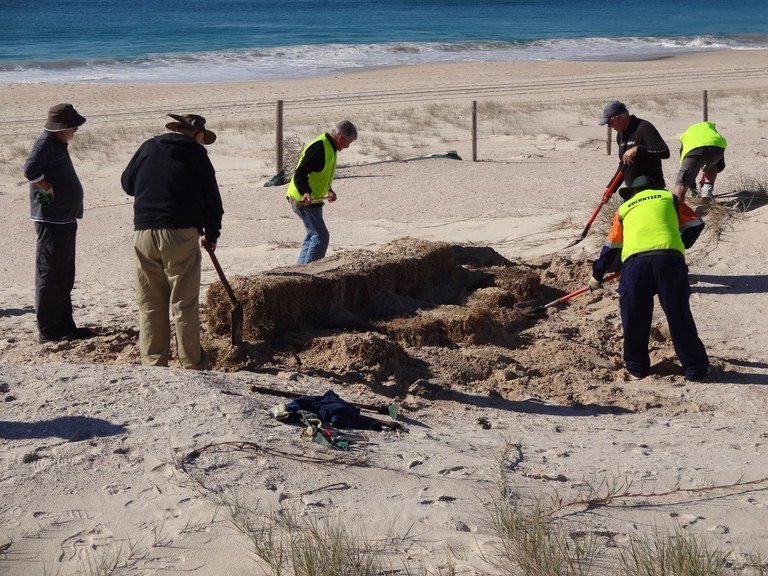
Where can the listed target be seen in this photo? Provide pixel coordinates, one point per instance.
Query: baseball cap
(611, 109)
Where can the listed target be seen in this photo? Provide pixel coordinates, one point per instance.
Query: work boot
(79, 334)
(73, 334)
(50, 337)
(695, 375)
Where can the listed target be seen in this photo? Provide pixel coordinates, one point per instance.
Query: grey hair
(188, 131)
(347, 129)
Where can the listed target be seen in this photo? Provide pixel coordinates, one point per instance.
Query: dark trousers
(55, 278)
(642, 277)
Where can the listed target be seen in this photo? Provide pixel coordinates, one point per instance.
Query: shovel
(237, 309)
(613, 185)
(532, 307)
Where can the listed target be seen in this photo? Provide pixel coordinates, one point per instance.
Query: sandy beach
(108, 467)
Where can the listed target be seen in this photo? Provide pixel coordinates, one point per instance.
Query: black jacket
(175, 186)
(651, 150)
(50, 160)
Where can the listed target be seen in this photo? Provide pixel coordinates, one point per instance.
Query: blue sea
(233, 40)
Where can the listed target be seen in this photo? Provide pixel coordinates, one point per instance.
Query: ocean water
(233, 40)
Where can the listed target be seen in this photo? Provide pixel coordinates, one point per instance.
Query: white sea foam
(319, 60)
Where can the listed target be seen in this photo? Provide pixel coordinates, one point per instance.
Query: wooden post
(474, 130)
(279, 136)
(706, 106)
(608, 140)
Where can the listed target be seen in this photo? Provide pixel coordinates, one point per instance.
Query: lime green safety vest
(650, 222)
(319, 182)
(698, 135)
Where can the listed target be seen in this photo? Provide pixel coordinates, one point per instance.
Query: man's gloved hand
(595, 284)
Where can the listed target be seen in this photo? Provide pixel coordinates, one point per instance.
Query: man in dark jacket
(56, 203)
(641, 147)
(177, 209)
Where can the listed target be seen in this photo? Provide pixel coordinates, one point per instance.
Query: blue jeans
(316, 241)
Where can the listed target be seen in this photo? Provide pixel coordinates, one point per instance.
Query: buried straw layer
(348, 290)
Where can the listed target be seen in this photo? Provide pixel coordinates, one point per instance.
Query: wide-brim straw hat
(193, 121)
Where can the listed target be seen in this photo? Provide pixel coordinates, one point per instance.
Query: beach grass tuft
(678, 552)
(291, 543)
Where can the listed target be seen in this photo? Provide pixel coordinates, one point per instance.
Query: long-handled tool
(532, 307)
(237, 308)
(613, 185)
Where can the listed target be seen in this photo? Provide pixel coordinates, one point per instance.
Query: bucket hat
(63, 117)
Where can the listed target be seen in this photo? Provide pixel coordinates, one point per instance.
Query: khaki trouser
(167, 264)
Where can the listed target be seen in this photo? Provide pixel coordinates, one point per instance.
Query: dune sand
(106, 465)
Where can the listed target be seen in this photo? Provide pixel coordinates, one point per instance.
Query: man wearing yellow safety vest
(701, 148)
(651, 231)
(311, 184)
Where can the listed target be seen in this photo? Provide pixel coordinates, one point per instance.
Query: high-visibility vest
(319, 182)
(650, 222)
(698, 135)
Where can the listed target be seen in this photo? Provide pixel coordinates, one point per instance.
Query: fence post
(474, 130)
(279, 136)
(608, 140)
(706, 106)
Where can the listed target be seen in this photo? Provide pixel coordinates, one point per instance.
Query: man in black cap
(56, 203)
(641, 147)
(177, 209)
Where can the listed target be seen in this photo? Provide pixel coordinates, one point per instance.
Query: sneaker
(636, 376)
(707, 191)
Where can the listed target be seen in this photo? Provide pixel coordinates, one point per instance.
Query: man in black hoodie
(177, 209)
(641, 147)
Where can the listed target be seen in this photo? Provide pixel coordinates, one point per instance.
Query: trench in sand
(435, 321)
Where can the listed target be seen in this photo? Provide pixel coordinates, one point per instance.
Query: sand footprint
(62, 517)
(686, 520)
(79, 545)
(451, 470)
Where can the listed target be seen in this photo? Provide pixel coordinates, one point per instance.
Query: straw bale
(520, 283)
(487, 318)
(296, 297)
